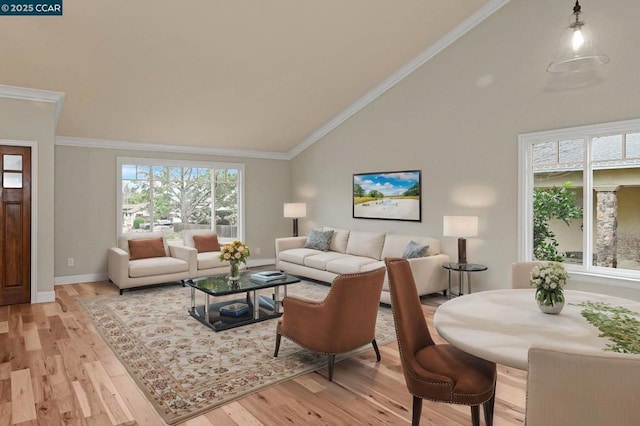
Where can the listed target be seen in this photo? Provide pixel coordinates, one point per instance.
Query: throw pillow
(414, 250)
(207, 242)
(319, 240)
(143, 248)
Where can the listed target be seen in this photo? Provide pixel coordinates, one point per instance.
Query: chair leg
(488, 408)
(332, 360)
(275, 352)
(417, 411)
(375, 348)
(475, 415)
(121, 291)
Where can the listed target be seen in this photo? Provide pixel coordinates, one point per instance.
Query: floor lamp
(295, 211)
(461, 227)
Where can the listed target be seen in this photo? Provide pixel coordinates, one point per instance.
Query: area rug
(185, 368)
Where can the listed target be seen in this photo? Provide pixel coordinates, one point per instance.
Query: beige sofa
(180, 261)
(175, 265)
(357, 251)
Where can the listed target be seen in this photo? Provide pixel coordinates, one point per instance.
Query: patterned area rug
(185, 368)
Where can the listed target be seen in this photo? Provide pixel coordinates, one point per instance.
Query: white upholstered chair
(571, 389)
(520, 273)
(207, 262)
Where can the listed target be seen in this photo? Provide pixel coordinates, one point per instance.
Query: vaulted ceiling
(242, 74)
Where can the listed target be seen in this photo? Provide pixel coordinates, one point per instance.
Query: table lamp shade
(461, 227)
(295, 210)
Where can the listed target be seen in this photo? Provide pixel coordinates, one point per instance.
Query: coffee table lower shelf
(218, 322)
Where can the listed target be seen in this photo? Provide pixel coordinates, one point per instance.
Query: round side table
(461, 268)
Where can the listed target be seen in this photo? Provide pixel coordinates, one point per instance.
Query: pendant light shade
(578, 51)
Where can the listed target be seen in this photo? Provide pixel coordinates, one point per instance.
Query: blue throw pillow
(319, 240)
(414, 250)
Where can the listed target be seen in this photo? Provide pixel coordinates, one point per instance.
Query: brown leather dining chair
(440, 373)
(343, 321)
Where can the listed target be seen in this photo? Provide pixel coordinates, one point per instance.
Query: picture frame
(388, 195)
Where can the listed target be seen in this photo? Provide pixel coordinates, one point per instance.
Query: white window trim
(593, 274)
(180, 163)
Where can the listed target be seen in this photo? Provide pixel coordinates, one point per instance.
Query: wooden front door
(15, 225)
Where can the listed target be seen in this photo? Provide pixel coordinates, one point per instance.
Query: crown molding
(26, 94)
(487, 10)
(135, 146)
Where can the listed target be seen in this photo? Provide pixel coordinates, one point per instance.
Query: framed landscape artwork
(388, 195)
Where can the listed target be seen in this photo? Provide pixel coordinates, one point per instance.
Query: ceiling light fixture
(577, 50)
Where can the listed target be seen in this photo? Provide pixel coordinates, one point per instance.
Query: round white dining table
(501, 325)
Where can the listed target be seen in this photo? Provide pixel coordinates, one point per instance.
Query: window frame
(213, 165)
(586, 271)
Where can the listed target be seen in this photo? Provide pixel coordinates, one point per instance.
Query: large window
(579, 194)
(172, 196)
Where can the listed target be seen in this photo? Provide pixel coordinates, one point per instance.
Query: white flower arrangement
(549, 278)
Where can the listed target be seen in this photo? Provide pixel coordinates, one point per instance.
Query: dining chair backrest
(582, 389)
(521, 273)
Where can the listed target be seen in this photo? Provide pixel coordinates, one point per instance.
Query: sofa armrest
(188, 254)
(428, 273)
(118, 265)
(288, 243)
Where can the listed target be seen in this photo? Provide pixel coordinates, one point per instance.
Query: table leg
(193, 299)
(449, 292)
(256, 305)
(277, 300)
(206, 308)
(469, 281)
(460, 283)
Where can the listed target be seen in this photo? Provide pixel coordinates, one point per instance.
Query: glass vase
(554, 309)
(234, 274)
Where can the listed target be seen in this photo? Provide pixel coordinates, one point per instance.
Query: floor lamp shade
(295, 211)
(461, 227)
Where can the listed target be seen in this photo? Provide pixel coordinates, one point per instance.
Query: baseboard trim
(44, 297)
(75, 279)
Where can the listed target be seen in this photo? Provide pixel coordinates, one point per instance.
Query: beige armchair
(142, 259)
(205, 243)
(567, 389)
(521, 273)
(344, 321)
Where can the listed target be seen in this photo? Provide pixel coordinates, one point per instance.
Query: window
(579, 198)
(172, 196)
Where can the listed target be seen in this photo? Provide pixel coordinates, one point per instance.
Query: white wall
(457, 119)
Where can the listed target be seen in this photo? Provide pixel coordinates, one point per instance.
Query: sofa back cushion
(123, 241)
(206, 243)
(187, 235)
(339, 239)
(144, 248)
(366, 244)
(396, 244)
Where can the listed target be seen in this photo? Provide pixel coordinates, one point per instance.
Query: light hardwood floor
(55, 369)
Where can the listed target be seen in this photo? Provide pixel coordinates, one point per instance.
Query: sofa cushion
(348, 265)
(319, 240)
(319, 261)
(143, 248)
(188, 234)
(297, 255)
(414, 250)
(395, 245)
(123, 241)
(206, 243)
(366, 244)
(339, 240)
(210, 259)
(371, 266)
(156, 266)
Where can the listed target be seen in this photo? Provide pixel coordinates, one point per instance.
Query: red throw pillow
(204, 243)
(143, 248)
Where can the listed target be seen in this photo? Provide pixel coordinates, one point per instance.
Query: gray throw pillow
(319, 240)
(414, 250)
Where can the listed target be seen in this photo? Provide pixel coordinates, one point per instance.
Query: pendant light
(577, 50)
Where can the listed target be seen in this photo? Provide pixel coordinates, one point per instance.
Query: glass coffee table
(260, 308)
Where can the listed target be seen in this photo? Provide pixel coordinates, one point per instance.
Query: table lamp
(461, 227)
(295, 211)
